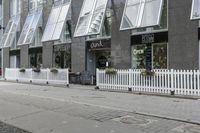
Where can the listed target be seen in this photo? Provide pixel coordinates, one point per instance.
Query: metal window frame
(140, 15)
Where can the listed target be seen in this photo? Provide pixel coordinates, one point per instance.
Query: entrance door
(97, 59)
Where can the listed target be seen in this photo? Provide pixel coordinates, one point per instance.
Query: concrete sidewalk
(171, 108)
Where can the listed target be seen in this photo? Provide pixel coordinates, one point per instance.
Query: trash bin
(74, 78)
(86, 78)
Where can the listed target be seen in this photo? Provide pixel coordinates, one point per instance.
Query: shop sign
(148, 38)
(96, 45)
(59, 48)
(99, 44)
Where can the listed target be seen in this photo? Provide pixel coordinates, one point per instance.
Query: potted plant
(111, 71)
(22, 70)
(37, 70)
(147, 72)
(54, 70)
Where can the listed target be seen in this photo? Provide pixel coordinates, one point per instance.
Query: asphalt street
(81, 109)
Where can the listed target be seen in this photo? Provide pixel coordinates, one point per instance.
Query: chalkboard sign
(148, 52)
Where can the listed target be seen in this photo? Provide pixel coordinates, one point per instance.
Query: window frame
(140, 15)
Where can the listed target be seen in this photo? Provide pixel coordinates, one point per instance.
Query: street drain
(133, 120)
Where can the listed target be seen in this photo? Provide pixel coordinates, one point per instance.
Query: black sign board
(148, 53)
(99, 44)
(149, 38)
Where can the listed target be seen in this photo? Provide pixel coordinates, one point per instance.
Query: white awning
(141, 14)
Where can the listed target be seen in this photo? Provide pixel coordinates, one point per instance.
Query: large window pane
(48, 33)
(58, 31)
(84, 18)
(25, 29)
(10, 33)
(141, 13)
(98, 17)
(31, 32)
(195, 14)
(151, 14)
(56, 22)
(61, 22)
(131, 13)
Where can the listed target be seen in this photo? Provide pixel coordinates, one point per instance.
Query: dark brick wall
(183, 47)
(120, 40)
(78, 47)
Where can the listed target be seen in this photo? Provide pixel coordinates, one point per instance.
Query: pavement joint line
(112, 108)
(21, 116)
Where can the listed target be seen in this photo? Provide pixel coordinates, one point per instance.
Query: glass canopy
(10, 32)
(91, 17)
(56, 22)
(141, 13)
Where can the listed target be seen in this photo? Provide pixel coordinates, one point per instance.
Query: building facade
(87, 34)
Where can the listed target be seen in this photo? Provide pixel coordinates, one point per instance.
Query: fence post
(48, 71)
(172, 91)
(31, 79)
(130, 80)
(97, 79)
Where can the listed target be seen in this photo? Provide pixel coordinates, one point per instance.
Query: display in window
(62, 56)
(139, 57)
(160, 56)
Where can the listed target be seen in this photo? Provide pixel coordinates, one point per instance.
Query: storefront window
(62, 56)
(138, 57)
(35, 59)
(160, 56)
(149, 56)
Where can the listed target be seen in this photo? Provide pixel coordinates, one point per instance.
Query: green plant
(147, 73)
(111, 71)
(22, 70)
(54, 70)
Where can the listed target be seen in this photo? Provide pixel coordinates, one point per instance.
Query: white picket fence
(45, 76)
(182, 82)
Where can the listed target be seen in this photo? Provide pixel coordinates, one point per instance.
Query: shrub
(22, 70)
(147, 73)
(111, 71)
(53, 70)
